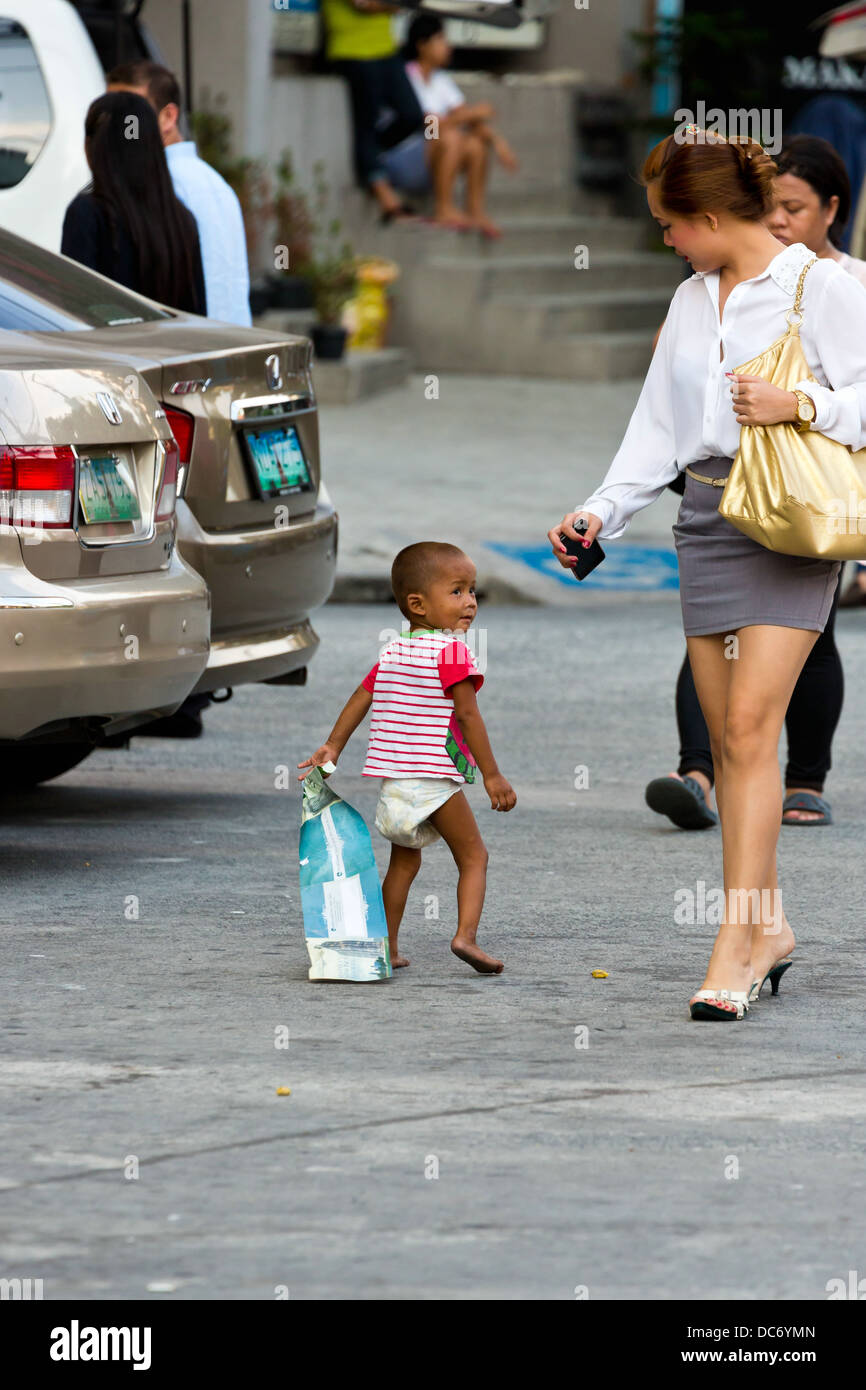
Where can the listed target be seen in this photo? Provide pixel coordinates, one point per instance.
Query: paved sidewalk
(448, 1136)
(492, 461)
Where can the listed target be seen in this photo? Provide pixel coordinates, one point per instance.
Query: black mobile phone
(586, 559)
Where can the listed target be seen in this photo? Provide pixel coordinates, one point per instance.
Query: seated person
(458, 138)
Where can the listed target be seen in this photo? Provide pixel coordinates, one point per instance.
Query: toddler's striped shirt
(413, 729)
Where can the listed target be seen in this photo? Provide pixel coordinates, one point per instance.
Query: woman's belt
(699, 477)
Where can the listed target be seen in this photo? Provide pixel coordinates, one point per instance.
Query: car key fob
(586, 559)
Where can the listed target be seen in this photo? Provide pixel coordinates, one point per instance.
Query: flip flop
(683, 802)
(404, 212)
(807, 801)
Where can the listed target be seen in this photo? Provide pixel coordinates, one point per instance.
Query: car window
(25, 111)
(42, 292)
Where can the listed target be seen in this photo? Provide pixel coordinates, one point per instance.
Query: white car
(49, 75)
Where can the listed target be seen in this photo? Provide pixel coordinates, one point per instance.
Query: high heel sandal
(774, 976)
(720, 1005)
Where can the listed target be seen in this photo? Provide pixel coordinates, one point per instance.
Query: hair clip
(691, 129)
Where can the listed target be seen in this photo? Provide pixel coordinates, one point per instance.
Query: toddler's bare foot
(397, 960)
(474, 956)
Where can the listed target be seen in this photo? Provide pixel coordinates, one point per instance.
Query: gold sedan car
(103, 625)
(254, 517)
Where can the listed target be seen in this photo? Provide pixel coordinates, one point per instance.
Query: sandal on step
(807, 801)
(720, 1005)
(682, 800)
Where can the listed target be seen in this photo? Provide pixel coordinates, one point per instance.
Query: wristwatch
(805, 410)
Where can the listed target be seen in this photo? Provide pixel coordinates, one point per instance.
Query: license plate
(278, 460)
(103, 492)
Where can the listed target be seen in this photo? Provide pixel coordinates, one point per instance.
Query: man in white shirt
(205, 192)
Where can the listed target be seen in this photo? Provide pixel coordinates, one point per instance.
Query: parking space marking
(633, 568)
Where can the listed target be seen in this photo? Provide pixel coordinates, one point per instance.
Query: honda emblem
(272, 372)
(109, 408)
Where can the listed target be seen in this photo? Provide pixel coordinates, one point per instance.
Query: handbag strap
(798, 297)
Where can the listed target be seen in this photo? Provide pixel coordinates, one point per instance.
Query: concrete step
(596, 311)
(360, 374)
(526, 234)
(573, 357)
(479, 278)
(543, 199)
(287, 320)
(596, 356)
(540, 234)
(361, 224)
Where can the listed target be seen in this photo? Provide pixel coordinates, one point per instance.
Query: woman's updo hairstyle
(700, 171)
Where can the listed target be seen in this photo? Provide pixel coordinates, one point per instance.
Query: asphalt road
(154, 948)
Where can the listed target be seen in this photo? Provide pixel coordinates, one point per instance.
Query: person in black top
(129, 224)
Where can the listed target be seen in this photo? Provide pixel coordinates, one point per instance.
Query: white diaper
(405, 806)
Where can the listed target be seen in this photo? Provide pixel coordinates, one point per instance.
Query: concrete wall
(594, 39)
(231, 49)
(272, 108)
(230, 59)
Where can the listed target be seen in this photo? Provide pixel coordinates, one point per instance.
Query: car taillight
(168, 488)
(37, 486)
(182, 427)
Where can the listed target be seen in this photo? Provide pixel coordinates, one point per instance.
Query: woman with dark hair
(814, 206)
(128, 224)
(751, 615)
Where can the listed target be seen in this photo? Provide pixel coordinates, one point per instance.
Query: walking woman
(129, 225)
(813, 203)
(711, 197)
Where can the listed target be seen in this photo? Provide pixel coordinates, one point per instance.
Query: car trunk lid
(255, 441)
(119, 439)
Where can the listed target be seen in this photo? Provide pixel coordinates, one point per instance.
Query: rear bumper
(264, 584)
(101, 649)
(258, 658)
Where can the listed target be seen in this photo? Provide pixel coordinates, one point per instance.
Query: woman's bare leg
(711, 669)
(446, 156)
(749, 794)
(475, 165)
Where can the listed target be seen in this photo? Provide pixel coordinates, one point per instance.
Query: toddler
(427, 737)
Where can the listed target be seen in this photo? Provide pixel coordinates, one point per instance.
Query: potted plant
(294, 227)
(332, 275)
(249, 178)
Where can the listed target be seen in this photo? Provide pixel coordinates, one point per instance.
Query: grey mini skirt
(728, 581)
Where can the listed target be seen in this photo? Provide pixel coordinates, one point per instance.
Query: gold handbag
(798, 493)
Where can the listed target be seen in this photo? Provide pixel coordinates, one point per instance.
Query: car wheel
(26, 767)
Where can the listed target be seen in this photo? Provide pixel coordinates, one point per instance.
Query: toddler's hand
(326, 754)
(502, 795)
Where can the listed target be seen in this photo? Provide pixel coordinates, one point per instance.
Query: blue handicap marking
(627, 567)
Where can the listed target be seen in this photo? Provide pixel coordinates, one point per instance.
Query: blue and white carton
(341, 899)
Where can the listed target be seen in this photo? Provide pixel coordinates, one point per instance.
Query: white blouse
(853, 266)
(685, 411)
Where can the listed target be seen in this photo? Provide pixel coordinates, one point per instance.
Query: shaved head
(419, 566)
